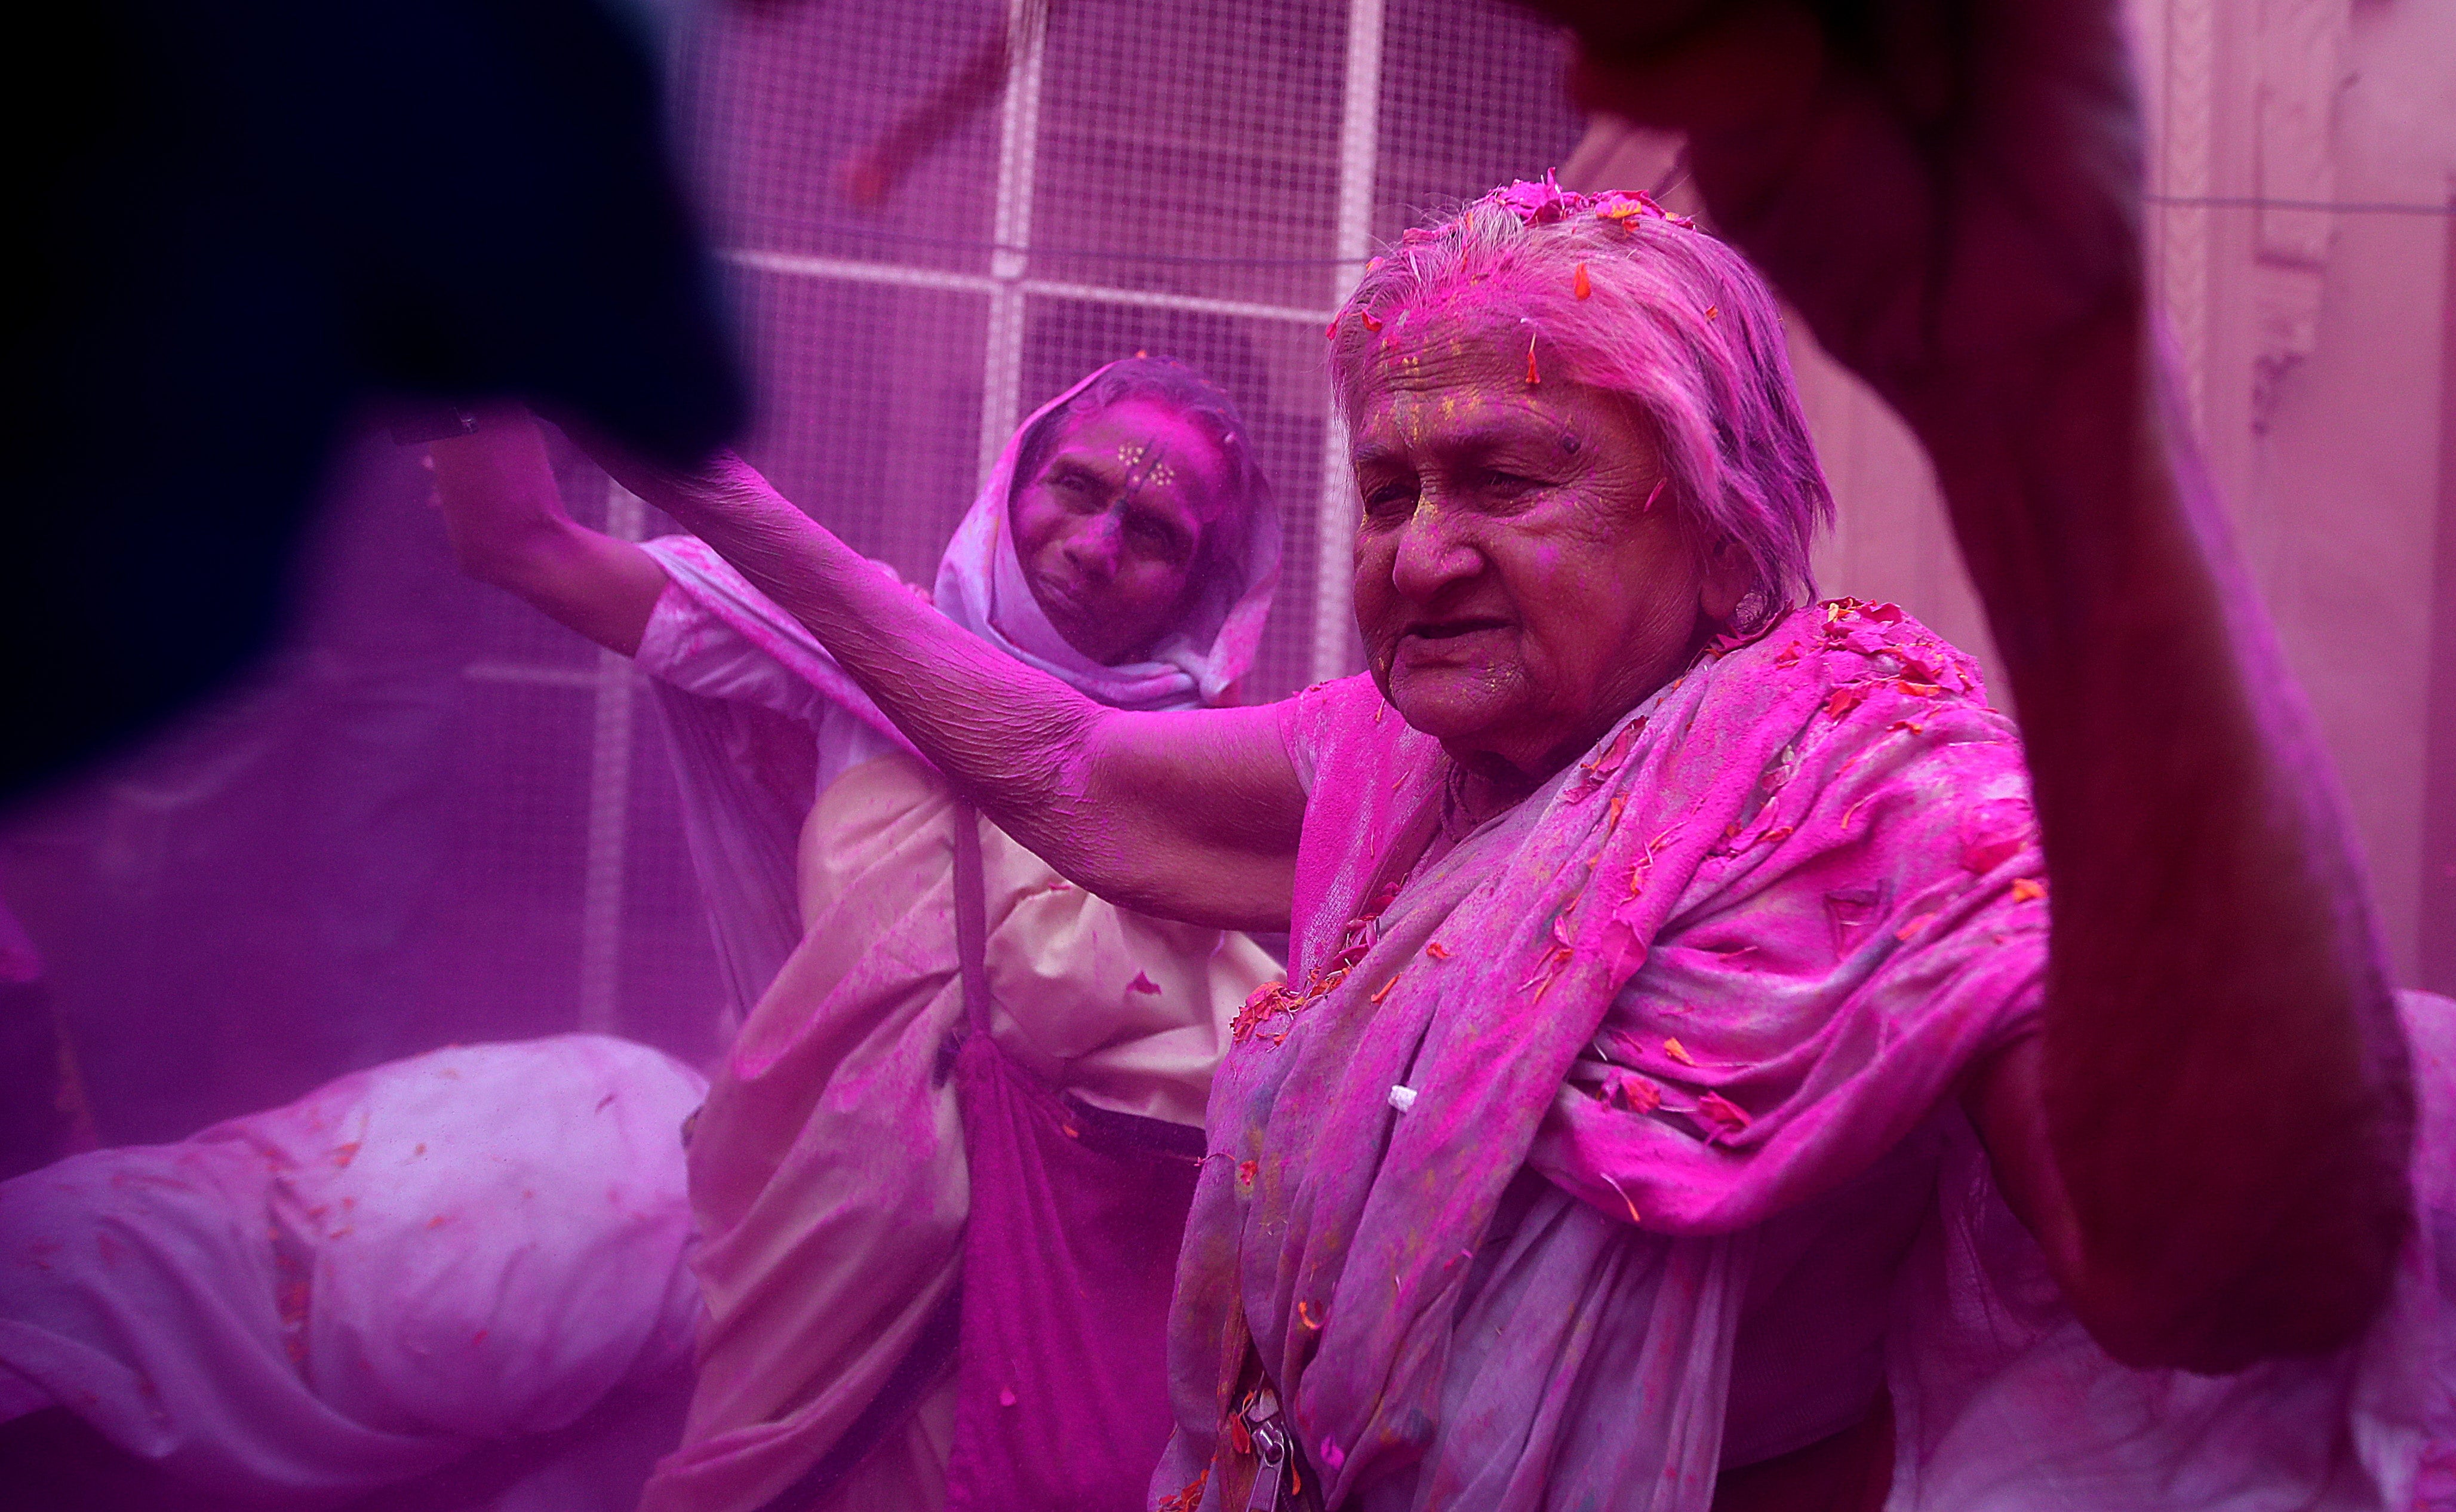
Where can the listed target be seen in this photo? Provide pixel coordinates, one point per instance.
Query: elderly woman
(941, 1174)
(1679, 1096)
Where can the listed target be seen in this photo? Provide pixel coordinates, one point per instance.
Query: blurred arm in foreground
(2212, 1129)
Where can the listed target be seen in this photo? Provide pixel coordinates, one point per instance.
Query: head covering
(982, 588)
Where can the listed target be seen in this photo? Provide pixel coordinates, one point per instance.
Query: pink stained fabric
(827, 1172)
(1061, 1381)
(1730, 964)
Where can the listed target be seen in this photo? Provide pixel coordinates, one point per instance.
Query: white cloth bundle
(303, 1305)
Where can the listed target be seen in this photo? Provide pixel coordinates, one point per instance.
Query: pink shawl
(1737, 959)
(1714, 969)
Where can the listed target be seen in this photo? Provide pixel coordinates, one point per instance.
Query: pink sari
(1728, 970)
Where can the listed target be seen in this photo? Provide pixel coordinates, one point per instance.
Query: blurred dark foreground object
(249, 224)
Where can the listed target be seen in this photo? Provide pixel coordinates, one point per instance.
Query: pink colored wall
(2314, 351)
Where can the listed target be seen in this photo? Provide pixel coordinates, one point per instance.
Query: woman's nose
(1093, 544)
(1432, 554)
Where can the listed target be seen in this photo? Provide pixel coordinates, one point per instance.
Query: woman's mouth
(1432, 643)
(1060, 599)
(1450, 629)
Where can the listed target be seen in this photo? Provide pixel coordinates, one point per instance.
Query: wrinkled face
(1516, 593)
(1110, 528)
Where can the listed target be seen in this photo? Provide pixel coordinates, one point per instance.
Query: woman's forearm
(2222, 1073)
(1008, 731)
(1196, 820)
(505, 517)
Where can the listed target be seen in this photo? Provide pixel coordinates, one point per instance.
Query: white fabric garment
(304, 1305)
(828, 1170)
(2004, 1403)
(759, 720)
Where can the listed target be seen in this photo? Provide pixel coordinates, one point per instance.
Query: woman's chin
(1087, 637)
(1451, 706)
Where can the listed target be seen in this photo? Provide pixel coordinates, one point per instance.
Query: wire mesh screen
(1471, 97)
(1189, 178)
(439, 817)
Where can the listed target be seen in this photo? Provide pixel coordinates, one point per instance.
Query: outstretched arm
(1190, 815)
(2209, 1134)
(508, 527)
(2213, 1123)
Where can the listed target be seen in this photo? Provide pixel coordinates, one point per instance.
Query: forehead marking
(1144, 463)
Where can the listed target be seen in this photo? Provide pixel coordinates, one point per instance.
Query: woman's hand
(1941, 186)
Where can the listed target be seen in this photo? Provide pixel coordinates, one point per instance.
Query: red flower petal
(1723, 1115)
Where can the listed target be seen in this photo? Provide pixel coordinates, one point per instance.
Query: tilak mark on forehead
(1144, 464)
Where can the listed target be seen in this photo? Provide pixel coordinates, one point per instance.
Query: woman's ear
(1723, 581)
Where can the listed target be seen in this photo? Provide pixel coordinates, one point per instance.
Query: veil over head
(981, 587)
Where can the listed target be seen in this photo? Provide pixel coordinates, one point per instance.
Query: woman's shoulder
(1839, 674)
(1334, 724)
(1847, 641)
(1848, 725)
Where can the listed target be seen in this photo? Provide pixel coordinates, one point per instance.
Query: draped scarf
(1718, 966)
